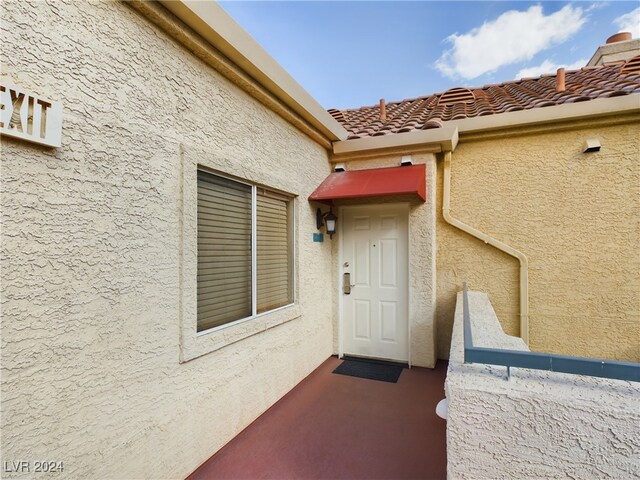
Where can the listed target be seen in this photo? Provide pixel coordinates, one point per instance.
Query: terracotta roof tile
(431, 111)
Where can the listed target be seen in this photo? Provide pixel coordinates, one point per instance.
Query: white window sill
(198, 344)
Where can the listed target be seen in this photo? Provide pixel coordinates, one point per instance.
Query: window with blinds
(274, 251)
(233, 263)
(224, 251)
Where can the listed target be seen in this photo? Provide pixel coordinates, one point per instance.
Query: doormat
(380, 371)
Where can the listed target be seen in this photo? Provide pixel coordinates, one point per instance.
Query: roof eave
(543, 115)
(211, 22)
(434, 140)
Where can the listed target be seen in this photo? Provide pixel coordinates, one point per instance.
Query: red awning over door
(376, 182)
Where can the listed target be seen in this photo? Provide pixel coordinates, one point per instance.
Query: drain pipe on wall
(524, 281)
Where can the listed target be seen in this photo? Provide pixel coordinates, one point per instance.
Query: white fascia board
(557, 113)
(445, 138)
(209, 20)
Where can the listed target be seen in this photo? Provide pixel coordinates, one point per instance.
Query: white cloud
(597, 6)
(548, 67)
(512, 37)
(629, 22)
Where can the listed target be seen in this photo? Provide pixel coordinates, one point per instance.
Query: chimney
(383, 111)
(618, 48)
(619, 37)
(560, 87)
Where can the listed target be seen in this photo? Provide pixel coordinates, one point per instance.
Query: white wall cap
(487, 332)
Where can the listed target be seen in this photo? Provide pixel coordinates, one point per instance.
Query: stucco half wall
(93, 249)
(573, 214)
(538, 424)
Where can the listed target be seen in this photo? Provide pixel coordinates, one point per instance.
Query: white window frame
(194, 344)
(254, 254)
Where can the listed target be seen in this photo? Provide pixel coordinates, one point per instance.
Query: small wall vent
(591, 145)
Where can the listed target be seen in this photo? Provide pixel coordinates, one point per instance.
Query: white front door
(374, 272)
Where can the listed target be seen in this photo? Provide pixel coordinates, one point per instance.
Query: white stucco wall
(93, 248)
(537, 424)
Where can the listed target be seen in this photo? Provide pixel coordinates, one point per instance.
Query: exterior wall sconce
(330, 218)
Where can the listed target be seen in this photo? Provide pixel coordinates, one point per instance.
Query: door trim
(338, 275)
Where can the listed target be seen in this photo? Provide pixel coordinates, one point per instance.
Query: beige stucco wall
(574, 215)
(422, 242)
(538, 424)
(93, 251)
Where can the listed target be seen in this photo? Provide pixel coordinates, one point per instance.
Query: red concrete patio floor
(333, 426)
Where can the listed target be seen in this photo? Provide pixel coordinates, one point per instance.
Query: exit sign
(30, 117)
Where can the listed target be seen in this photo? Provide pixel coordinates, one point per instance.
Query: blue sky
(351, 54)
